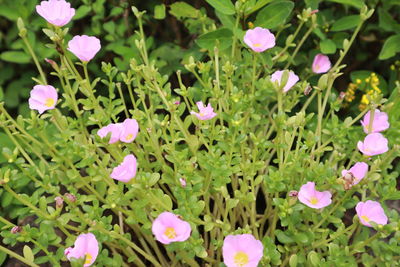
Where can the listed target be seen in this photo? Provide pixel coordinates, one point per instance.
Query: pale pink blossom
(321, 64)
(374, 144)
(379, 124)
(259, 39)
(205, 113)
(358, 171)
(126, 171)
(242, 251)
(56, 12)
(292, 79)
(129, 130)
(84, 47)
(371, 211)
(43, 97)
(85, 246)
(313, 198)
(168, 228)
(114, 129)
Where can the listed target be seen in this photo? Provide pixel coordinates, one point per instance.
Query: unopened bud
(16, 229)
(307, 90)
(70, 197)
(182, 181)
(59, 202)
(293, 193)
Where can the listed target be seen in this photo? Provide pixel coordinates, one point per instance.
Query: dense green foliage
(239, 167)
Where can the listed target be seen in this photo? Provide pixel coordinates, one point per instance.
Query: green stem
(300, 45)
(42, 75)
(17, 256)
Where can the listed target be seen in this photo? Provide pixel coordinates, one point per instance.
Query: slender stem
(300, 45)
(17, 256)
(371, 119)
(28, 45)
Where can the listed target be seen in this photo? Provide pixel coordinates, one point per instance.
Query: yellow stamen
(170, 232)
(129, 136)
(365, 218)
(202, 114)
(313, 200)
(49, 102)
(88, 258)
(257, 45)
(241, 258)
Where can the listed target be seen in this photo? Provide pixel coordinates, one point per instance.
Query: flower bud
(182, 181)
(59, 202)
(71, 198)
(16, 229)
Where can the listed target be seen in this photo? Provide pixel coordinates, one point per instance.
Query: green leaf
(293, 260)
(387, 22)
(159, 11)
(15, 57)
(313, 258)
(346, 23)
(355, 3)
(224, 6)
(81, 12)
(259, 4)
(222, 38)
(28, 254)
(327, 46)
(183, 10)
(390, 47)
(274, 14)
(283, 238)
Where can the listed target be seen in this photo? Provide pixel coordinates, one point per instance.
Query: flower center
(257, 45)
(313, 200)
(365, 218)
(49, 102)
(88, 258)
(170, 232)
(202, 114)
(129, 136)
(241, 258)
(317, 67)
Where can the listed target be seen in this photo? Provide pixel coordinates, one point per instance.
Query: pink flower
(292, 80)
(242, 251)
(43, 97)
(321, 64)
(56, 12)
(371, 211)
(126, 170)
(85, 246)
(168, 228)
(359, 170)
(259, 39)
(114, 129)
(313, 198)
(205, 113)
(129, 130)
(379, 124)
(84, 47)
(374, 144)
